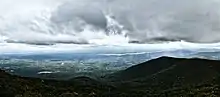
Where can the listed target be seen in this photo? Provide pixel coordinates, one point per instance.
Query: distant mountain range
(163, 77)
(208, 55)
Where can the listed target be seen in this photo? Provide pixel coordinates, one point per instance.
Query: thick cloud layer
(143, 21)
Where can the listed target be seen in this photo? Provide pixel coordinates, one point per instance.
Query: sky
(109, 21)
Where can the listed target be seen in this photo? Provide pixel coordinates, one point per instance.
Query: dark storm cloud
(146, 20)
(80, 11)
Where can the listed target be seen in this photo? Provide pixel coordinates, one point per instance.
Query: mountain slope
(194, 69)
(170, 77)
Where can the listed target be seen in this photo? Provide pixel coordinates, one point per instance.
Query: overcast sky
(189, 20)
